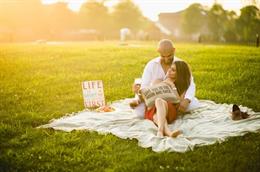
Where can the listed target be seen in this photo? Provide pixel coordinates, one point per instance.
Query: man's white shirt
(153, 71)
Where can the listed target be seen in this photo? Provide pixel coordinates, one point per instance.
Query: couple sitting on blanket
(167, 90)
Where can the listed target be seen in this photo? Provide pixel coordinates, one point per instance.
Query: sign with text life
(93, 94)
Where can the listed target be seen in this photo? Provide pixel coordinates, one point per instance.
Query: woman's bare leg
(170, 133)
(160, 119)
(155, 120)
(167, 130)
(161, 111)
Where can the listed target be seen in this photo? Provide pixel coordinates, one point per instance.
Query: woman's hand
(184, 105)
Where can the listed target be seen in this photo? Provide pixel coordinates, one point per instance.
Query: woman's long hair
(182, 82)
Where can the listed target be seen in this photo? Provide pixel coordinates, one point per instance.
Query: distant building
(171, 25)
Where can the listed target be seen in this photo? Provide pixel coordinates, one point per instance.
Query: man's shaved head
(166, 50)
(165, 46)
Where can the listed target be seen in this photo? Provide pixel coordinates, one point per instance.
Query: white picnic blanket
(206, 125)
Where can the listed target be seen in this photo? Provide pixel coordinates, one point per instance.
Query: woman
(163, 112)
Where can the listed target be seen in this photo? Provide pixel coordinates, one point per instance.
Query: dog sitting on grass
(237, 114)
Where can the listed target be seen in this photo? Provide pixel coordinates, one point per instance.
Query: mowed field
(39, 82)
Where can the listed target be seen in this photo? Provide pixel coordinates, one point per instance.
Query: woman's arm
(157, 81)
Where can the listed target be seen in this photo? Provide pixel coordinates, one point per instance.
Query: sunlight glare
(152, 8)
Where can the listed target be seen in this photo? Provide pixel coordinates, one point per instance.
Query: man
(157, 69)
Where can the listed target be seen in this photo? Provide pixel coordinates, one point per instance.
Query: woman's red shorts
(171, 116)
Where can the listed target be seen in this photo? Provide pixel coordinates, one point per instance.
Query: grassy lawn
(42, 82)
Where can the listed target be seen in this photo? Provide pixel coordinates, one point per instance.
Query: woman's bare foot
(175, 133)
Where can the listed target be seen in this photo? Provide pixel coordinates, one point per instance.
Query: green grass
(42, 82)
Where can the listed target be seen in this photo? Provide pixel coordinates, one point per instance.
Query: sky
(151, 8)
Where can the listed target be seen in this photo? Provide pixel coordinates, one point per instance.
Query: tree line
(30, 20)
(217, 24)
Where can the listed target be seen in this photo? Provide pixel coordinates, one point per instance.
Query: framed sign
(93, 94)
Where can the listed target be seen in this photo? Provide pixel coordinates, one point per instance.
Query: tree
(230, 31)
(94, 15)
(21, 19)
(30, 19)
(251, 2)
(59, 17)
(194, 19)
(217, 22)
(127, 14)
(20, 13)
(249, 23)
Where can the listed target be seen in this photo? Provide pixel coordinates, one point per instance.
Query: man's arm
(139, 109)
(147, 76)
(189, 95)
(145, 80)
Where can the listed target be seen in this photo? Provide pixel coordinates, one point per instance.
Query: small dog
(237, 114)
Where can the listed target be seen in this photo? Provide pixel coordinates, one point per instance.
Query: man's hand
(184, 105)
(136, 88)
(134, 103)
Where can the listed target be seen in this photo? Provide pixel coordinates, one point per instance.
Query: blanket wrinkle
(209, 124)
